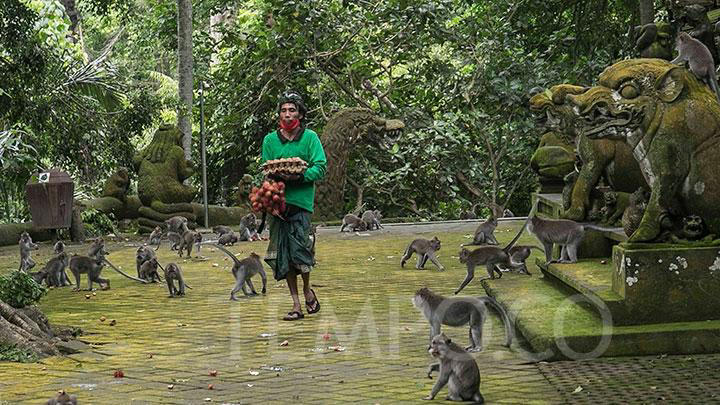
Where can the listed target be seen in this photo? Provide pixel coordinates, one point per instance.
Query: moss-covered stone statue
(161, 168)
(671, 121)
(343, 130)
(611, 159)
(654, 40)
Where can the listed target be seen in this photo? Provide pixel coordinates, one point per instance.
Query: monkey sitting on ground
(172, 272)
(92, 266)
(485, 233)
(699, 58)
(97, 248)
(148, 270)
(564, 232)
(250, 223)
(175, 240)
(26, 245)
(458, 370)
(62, 398)
(55, 271)
(188, 238)
(177, 224)
(459, 311)
(243, 270)
(155, 237)
(228, 239)
(221, 230)
(59, 247)
(142, 255)
(354, 222)
(425, 250)
(372, 219)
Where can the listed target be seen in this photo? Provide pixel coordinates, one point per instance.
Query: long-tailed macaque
(699, 58)
(148, 270)
(243, 270)
(172, 272)
(175, 240)
(188, 238)
(425, 250)
(62, 398)
(142, 255)
(221, 230)
(372, 219)
(458, 370)
(92, 266)
(228, 239)
(564, 232)
(354, 222)
(458, 311)
(26, 245)
(155, 237)
(55, 270)
(177, 224)
(485, 232)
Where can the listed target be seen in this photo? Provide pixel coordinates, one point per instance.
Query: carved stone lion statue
(671, 122)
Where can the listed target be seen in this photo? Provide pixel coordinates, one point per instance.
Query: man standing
(289, 252)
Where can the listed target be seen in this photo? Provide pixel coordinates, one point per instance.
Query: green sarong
(290, 244)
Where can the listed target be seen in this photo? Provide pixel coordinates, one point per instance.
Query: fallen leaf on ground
(171, 386)
(284, 343)
(578, 389)
(254, 372)
(337, 348)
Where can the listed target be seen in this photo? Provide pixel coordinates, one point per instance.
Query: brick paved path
(367, 344)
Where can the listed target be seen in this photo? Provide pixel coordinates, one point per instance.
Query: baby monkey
(148, 270)
(458, 370)
(243, 270)
(425, 250)
(172, 273)
(155, 237)
(62, 398)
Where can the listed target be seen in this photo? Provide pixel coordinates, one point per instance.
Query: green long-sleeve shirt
(308, 148)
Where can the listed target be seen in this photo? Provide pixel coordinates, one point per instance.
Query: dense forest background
(84, 84)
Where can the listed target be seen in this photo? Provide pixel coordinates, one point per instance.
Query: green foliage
(18, 289)
(17, 355)
(97, 223)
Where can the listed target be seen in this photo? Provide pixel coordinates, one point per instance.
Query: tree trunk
(74, 16)
(185, 73)
(27, 329)
(647, 11)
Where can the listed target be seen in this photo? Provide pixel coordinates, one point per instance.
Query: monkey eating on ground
(221, 230)
(172, 272)
(458, 370)
(228, 239)
(458, 311)
(699, 58)
(148, 270)
(155, 237)
(243, 270)
(62, 398)
(354, 222)
(26, 245)
(249, 221)
(188, 238)
(425, 250)
(564, 232)
(372, 219)
(59, 247)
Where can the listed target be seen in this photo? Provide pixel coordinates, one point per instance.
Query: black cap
(291, 96)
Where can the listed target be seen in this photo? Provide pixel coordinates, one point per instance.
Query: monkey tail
(599, 228)
(509, 330)
(714, 84)
(539, 249)
(235, 259)
(125, 274)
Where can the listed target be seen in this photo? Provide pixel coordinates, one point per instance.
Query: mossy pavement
(366, 345)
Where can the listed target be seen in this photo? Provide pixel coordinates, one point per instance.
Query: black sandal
(314, 303)
(293, 316)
